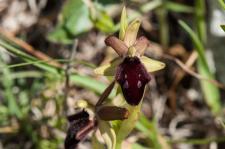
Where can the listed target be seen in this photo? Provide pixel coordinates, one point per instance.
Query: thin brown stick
(192, 73)
(180, 74)
(67, 72)
(28, 48)
(69, 65)
(8, 129)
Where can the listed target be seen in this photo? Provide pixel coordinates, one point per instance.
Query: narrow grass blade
(27, 57)
(27, 74)
(210, 91)
(149, 129)
(222, 3)
(200, 11)
(9, 97)
(151, 5)
(82, 81)
(176, 7)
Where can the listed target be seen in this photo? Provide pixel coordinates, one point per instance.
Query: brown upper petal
(118, 45)
(141, 44)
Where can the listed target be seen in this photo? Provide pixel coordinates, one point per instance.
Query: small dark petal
(77, 116)
(110, 113)
(132, 77)
(71, 141)
(80, 126)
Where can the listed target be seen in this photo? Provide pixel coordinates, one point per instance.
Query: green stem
(8, 83)
(118, 144)
(200, 19)
(163, 23)
(210, 91)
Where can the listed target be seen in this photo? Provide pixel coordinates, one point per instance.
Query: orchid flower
(131, 68)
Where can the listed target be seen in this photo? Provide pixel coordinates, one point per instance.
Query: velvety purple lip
(132, 77)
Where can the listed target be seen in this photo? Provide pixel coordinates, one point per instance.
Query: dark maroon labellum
(80, 126)
(132, 77)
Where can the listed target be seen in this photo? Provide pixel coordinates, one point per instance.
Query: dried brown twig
(68, 69)
(186, 68)
(28, 48)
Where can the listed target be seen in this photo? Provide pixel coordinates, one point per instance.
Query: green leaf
(196, 41)
(149, 128)
(26, 74)
(74, 20)
(104, 22)
(222, 4)
(210, 91)
(8, 84)
(200, 11)
(27, 58)
(33, 62)
(176, 7)
(75, 15)
(61, 35)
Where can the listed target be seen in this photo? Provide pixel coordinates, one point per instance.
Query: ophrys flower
(131, 69)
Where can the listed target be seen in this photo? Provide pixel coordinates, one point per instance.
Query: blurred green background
(43, 77)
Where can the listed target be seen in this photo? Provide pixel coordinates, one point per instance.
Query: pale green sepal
(152, 65)
(95, 142)
(123, 24)
(131, 32)
(108, 69)
(126, 126)
(108, 134)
